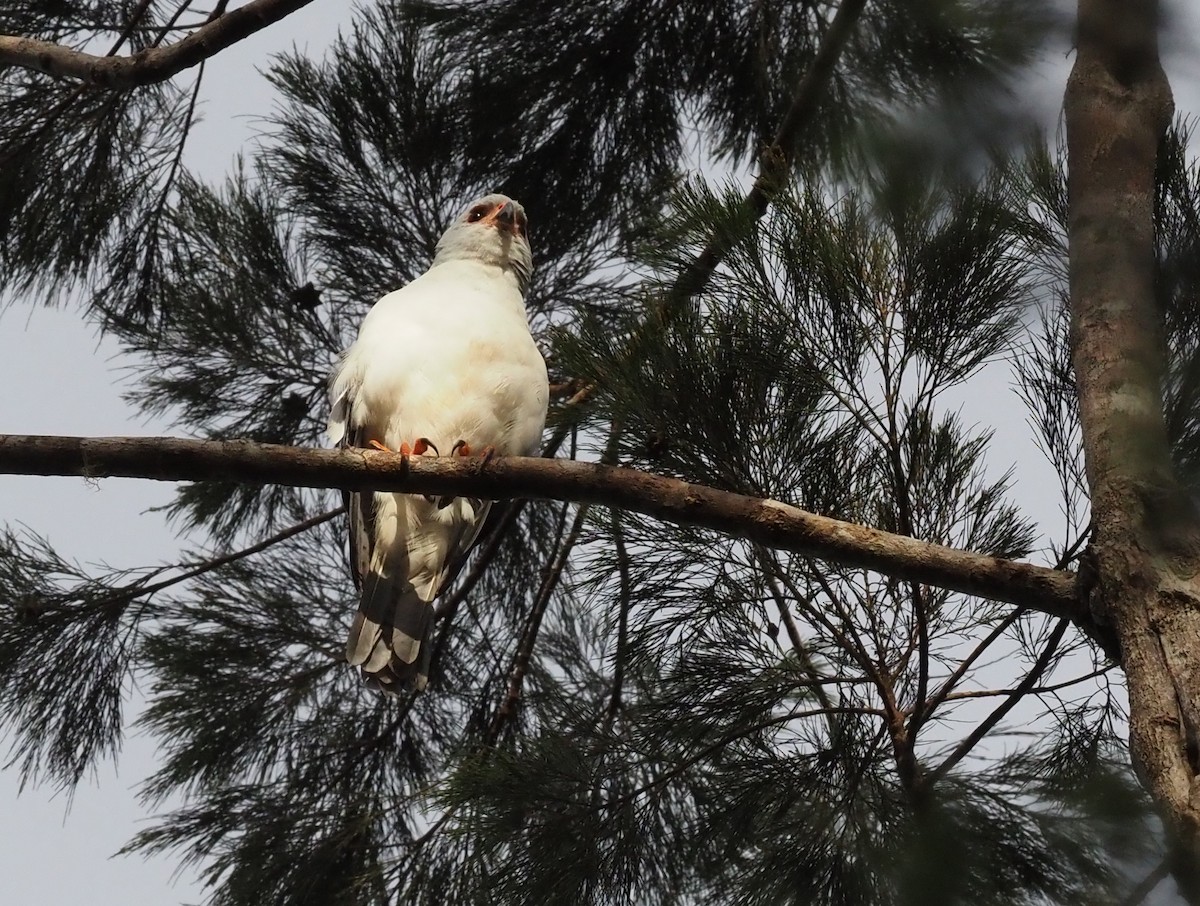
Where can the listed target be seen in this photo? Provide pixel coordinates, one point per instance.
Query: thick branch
(151, 65)
(768, 522)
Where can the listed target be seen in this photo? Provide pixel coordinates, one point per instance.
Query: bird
(445, 366)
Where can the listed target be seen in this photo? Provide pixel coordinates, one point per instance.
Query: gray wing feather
(390, 638)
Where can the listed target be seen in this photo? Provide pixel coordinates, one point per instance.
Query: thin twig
(945, 690)
(733, 736)
(624, 602)
(807, 666)
(779, 156)
(218, 10)
(904, 737)
(851, 645)
(225, 559)
(1036, 690)
(775, 161)
(130, 26)
(126, 595)
(524, 652)
(1146, 886)
(170, 23)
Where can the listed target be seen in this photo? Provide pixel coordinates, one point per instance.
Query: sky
(58, 850)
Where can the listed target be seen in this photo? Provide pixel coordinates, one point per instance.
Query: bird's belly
(485, 392)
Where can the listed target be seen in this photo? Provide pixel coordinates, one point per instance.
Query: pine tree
(625, 709)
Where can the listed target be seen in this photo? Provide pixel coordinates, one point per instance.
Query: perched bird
(445, 366)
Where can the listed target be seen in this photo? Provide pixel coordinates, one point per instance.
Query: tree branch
(149, 66)
(777, 158)
(1034, 690)
(523, 656)
(767, 522)
(1146, 886)
(1025, 687)
(774, 162)
(127, 32)
(625, 601)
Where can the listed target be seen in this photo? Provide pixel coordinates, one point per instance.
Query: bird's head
(494, 230)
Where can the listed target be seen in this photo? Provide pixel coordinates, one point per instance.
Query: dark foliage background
(621, 711)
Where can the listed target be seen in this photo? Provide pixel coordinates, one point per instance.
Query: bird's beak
(504, 217)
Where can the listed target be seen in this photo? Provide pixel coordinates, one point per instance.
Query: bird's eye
(476, 214)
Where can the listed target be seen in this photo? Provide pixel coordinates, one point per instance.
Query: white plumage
(448, 362)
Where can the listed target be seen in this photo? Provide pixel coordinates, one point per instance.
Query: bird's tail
(390, 636)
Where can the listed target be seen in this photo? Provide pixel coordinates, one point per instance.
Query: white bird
(444, 366)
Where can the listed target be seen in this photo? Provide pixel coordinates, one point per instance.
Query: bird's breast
(449, 373)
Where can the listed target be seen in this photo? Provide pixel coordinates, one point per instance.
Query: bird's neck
(496, 266)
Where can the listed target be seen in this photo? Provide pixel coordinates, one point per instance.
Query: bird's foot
(462, 448)
(378, 446)
(419, 447)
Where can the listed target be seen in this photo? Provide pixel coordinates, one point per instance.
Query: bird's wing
(360, 507)
(360, 514)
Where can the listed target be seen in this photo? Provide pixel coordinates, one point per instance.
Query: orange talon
(378, 446)
(419, 447)
(462, 448)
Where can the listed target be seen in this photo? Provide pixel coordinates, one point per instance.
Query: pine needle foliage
(85, 174)
(621, 711)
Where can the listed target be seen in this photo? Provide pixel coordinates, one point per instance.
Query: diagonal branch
(192, 570)
(946, 690)
(1018, 694)
(775, 162)
(144, 588)
(625, 601)
(131, 25)
(778, 157)
(1146, 886)
(524, 653)
(150, 66)
(767, 522)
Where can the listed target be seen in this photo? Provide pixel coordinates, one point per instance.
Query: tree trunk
(1146, 547)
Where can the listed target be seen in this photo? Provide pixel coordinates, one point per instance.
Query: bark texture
(1146, 547)
(768, 522)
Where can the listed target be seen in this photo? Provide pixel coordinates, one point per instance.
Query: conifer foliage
(620, 710)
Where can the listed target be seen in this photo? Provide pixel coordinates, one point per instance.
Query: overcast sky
(61, 380)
